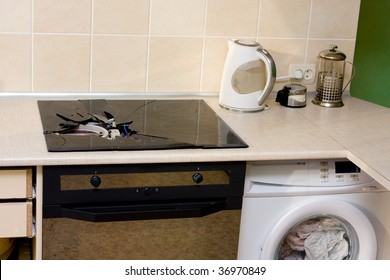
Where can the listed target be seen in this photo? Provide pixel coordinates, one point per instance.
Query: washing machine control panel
(326, 172)
(307, 177)
(336, 172)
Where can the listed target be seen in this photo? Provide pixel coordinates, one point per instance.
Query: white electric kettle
(248, 77)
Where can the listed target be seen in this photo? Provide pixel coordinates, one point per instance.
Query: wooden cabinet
(17, 197)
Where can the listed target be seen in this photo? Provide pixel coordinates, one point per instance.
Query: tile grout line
(308, 31)
(203, 47)
(258, 19)
(147, 68)
(172, 36)
(91, 46)
(32, 48)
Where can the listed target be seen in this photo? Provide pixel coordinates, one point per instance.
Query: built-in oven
(142, 211)
(139, 211)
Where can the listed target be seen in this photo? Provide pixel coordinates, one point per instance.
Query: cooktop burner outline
(99, 124)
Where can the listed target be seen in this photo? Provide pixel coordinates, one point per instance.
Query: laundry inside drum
(319, 238)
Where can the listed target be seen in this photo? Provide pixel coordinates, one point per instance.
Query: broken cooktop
(93, 125)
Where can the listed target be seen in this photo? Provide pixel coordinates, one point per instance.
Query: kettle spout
(231, 42)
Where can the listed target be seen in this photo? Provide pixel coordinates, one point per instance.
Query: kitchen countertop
(359, 131)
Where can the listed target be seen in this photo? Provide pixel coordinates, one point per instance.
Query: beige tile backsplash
(284, 18)
(61, 63)
(122, 17)
(62, 16)
(158, 45)
(119, 63)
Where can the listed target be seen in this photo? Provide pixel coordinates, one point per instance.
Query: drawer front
(16, 219)
(16, 183)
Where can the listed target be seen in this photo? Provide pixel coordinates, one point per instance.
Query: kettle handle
(270, 67)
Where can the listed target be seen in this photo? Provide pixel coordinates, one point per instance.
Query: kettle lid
(332, 54)
(247, 43)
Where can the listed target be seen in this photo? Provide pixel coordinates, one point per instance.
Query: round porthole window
(319, 238)
(321, 229)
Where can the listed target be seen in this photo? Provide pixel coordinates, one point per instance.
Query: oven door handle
(143, 212)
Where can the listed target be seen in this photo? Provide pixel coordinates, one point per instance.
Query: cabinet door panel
(16, 183)
(16, 219)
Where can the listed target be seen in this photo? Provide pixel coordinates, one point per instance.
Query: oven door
(151, 211)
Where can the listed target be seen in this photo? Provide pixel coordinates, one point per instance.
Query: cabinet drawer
(16, 219)
(16, 183)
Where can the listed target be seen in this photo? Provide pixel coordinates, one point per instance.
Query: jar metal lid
(296, 88)
(332, 54)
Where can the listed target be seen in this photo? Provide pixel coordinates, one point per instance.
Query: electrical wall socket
(303, 73)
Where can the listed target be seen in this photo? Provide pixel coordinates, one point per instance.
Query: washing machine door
(322, 229)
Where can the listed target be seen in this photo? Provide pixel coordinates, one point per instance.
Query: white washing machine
(313, 209)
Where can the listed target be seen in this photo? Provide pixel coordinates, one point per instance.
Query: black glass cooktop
(93, 125)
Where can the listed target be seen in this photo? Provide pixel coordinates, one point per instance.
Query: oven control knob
(147, 191)
(197, 178)
(95, 181)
